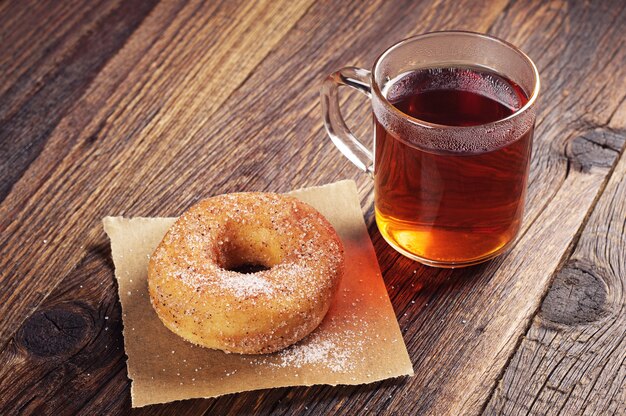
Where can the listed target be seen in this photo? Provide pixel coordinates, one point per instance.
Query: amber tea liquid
(444, 205)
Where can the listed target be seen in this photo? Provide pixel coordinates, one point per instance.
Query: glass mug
(454, 115)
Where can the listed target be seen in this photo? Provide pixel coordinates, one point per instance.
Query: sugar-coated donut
(200, 293)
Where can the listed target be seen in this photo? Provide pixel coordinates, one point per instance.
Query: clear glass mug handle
(340, 134)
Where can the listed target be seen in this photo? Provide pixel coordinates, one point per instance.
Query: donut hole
(246, 249)
(249, 268)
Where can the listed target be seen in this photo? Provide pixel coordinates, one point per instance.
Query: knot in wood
(577, 296)
(599, 147)
(59, 331)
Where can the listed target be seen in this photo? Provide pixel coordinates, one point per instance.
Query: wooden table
(143, 107)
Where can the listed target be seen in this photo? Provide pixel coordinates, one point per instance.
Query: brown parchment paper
(358, 342)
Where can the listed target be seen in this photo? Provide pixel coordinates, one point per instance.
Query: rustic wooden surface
(143, 107)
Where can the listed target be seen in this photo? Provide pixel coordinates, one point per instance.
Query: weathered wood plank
(514, 291)
(473, 317)
(189, 68)
(208, 49)
(572, 360)
(46, 64)
(495, 302)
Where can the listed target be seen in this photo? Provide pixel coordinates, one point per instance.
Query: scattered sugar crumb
(338, 352)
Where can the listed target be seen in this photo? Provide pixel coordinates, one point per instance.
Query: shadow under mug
(446, 196)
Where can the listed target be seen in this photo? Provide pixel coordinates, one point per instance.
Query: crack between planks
(617, 107)
(549, 376)
(25, 405)
(597, 378)
(29, 385)
(612, 399)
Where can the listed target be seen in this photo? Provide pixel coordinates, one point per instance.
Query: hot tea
(451, 202)
(454, 114)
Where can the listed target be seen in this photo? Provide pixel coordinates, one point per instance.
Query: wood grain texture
(478, 340)
(203, 98)
(128, 129)
(572, 360)
(94, 379)
(43, 80)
